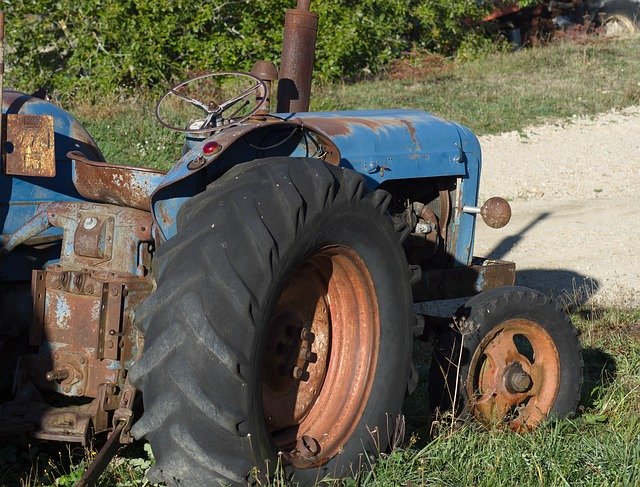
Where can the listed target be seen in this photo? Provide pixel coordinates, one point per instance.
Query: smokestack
(298, 53)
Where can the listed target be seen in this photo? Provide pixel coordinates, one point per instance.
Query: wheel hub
(514, 375)
(321, 356)
(517, 380)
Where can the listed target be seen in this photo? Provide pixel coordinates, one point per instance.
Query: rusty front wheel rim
(321, 356)
(514, 375)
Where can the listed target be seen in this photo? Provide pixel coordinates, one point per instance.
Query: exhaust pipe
(298, 53)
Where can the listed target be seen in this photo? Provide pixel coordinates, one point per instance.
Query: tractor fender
(382, 145)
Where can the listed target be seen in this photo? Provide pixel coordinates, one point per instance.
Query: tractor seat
(110, 183)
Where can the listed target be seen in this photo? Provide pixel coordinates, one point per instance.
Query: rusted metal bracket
(122, 420)
(104, 456)
(459, 282)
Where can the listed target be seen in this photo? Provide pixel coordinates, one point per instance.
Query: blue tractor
(254, 305)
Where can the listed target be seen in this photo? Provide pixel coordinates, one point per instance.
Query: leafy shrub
(93, 47)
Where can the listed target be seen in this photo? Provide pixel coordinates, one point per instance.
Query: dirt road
(574, 189)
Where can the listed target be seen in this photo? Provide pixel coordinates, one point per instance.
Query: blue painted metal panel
(382, 145)
(469, 187)
(391, 144)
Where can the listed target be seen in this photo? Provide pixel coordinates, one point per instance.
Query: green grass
(502, 92)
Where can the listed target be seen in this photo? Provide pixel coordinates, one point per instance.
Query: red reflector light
(211, 148)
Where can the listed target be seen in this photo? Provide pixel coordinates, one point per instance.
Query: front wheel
(514, 357)
(280, 330)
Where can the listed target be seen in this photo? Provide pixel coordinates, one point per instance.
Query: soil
(574, 189)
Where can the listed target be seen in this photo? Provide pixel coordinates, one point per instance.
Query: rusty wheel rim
(514, 375)
(321, 356)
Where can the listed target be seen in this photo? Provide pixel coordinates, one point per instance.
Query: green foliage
(94, 47)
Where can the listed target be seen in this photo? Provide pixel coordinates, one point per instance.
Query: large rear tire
(280, 329)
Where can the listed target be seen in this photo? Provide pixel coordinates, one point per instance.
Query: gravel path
(574, 189)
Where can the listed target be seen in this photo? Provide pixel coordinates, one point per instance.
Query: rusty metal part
(82, 323)
(343, 125)
(101, 237)
(514, 375)
(298, 53)
(496, 212)
(29, 147)
(311, 332)
(267, 72)
(106, 453)
(458, 282)
(110, 183)
(445, 209)
(73, 423)
(80, 318)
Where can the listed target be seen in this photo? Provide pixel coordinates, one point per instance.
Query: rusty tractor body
(85, 242)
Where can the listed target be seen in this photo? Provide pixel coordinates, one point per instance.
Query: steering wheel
(215, 116)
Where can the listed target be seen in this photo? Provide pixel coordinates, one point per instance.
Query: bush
(93, 47)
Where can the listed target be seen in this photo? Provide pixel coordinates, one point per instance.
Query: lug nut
(305, 354)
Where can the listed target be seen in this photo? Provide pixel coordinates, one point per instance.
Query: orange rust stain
(342, 125)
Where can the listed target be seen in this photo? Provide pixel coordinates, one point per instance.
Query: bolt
(114, 292)
(304, 333)
(89, 288)
(297, 373)
(57, 375)
(305, 354)
(308, 446)
(110, 344)
(82, 360)
(113, 390)
(517, 380)
(521, 381)
(90, 223)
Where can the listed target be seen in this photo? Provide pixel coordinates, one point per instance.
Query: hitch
(122, 421)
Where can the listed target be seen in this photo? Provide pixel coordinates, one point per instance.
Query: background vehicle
(541, 20)
(259, 294)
